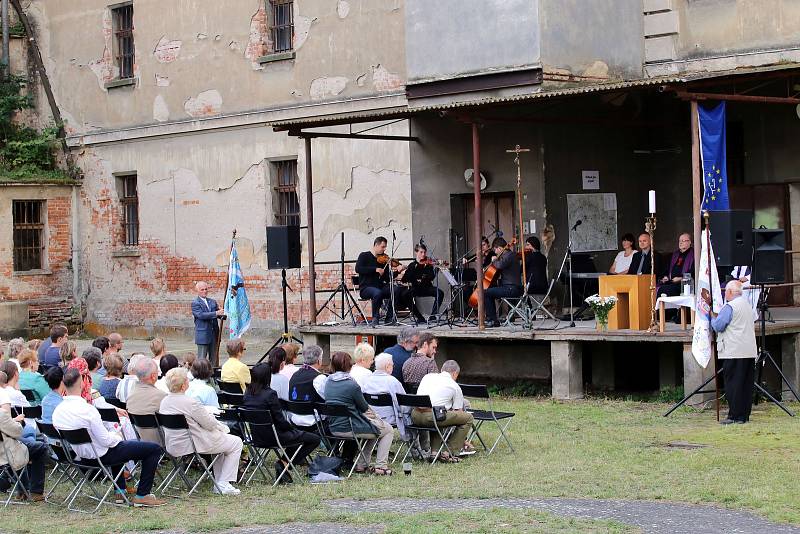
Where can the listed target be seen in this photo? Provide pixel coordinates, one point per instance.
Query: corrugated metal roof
(406, 111)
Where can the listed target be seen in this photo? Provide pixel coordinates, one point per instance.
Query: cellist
(510, 284)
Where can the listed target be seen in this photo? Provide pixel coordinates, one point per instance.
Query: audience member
(115, 343)
(107, 387)
(11, 385)
(29, 377)
(340, 388)
(260, 396)
(144, 397)
(58, 336)
(168, 362)
(21, 453)
(125, 386)
(73, 413)
(15, 347)
(55, 381)
(407, 341)
(422, 362)
(186, 362)
(308, 385)
(278, 382)
(444, 391)
(199, 388)
(80, 365)
(622, 261)
(209, 435)
(34, 344)
(158, 348)
(233, 370)
(292, 350)
(382, 381)
(94, 364)
(363, 355)
(68, 352)
(42, 344)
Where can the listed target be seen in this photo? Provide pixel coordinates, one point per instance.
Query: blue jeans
(494, 293)
(148, 453)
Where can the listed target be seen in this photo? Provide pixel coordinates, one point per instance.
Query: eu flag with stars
(713, 154)
(237, 308)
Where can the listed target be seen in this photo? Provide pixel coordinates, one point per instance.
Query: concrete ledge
(566, 360)
(14, 319)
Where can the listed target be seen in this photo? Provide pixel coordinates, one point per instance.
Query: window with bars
(281, 25)
(29, 238)
(285, 187)
(122, 17)
(130, 208)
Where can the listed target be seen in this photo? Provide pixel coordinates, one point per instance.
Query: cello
(489, 275)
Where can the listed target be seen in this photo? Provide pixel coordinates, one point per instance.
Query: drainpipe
(312, 277)
(76, 259)
(6, 60)
(476, 190)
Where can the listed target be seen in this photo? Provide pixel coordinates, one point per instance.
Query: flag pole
(224, 298)
(713, 334)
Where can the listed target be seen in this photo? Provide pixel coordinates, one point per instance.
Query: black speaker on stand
(732, 236)
(283, 252)
(769, 256)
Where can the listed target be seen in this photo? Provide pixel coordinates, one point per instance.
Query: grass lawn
(593, 448)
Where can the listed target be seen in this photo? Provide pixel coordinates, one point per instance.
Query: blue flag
(713, 155)
(236, 306)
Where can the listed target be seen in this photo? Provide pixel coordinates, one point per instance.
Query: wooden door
(497, 214)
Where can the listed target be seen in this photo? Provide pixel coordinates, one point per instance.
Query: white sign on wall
(591, 180)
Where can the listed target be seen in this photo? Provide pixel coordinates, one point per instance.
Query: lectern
(633, 300)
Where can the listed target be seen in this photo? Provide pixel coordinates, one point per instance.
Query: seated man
(373, 279)
(421, 274)
(308, 385)
(382, 381)
(444, 391)
(55, 380)
(74, 413)
(407, 340)
(423, 361)
(21, 453)
(642, 259)
(145, 398)
(535, 267)
(125, 385)
(682, 262)
(510, 285)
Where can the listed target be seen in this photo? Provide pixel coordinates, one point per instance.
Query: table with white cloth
(681, 302)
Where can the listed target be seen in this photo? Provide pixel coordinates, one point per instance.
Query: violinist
(510, 285)
(535, 266)
(485, 254)
(421, 274)
(373, 278)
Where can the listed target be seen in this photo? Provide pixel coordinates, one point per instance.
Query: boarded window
(287, 212)
(281, 25)
(130, 207)
(122, 17)
(29, 238)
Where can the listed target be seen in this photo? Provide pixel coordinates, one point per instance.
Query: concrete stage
(572, 357)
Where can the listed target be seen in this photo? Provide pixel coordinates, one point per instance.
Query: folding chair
(62, 458)
(480, 391)
(14, 476)
(93, 470)
(113, 401)
(424, 401)
(382, 400)
(30, 412)
(230, 387)
(230, 399)
(178, 422)
(29, 395)
(259, 452)
(340, 410)
(150, 422)
(305, 408)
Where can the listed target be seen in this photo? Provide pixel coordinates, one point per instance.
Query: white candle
(652, 199)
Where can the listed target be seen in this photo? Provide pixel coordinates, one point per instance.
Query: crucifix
(517, 151)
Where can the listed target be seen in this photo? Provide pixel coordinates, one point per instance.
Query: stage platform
(555, 351)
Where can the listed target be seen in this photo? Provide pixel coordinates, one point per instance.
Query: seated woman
(199, 388)
(622, 261)
(107, 386)
(259, 396)
(340, 388)
(23, 452)
(68, 352)
(233, 370)
(278, 382)
(292, 350)
(167, 362)
(209, 435)
(29, 377)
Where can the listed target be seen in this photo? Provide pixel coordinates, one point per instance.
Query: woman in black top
(259, 396)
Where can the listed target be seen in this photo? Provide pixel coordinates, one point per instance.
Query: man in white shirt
(74, 413)
(444, 391)
(363, 355)
(125, 386)
(382, 381)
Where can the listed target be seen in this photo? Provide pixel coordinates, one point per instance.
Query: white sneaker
(225, 488)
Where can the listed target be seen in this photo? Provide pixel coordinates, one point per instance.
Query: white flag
(701, 340)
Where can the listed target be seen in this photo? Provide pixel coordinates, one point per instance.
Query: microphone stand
(569, 259)
(391, 280)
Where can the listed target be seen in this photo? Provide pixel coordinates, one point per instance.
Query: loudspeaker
(732, 237)
(769, 259)
(283, 247)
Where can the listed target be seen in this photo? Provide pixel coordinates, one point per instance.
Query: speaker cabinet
(283, 247)
(732, 237)
(769, 257)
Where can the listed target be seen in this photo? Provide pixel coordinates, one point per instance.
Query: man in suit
(206, 328)
(145, 399)
(642, 260)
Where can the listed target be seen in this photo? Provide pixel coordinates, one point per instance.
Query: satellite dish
(468, 178)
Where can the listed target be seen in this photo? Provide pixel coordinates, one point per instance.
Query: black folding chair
(149, 422)
(61, 456)
(424, 402)
(93, 470)
(113, 401)
(411, 387)
(230, 387)
(30, 412)
(29, 395)
(230, 399)
(340, 410)
(480, 391)
(259, 451)
(177, 422)
(305, 408)
(383, 400)
(15, 477)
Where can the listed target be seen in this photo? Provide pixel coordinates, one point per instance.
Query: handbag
(325, 464)
(439, 413)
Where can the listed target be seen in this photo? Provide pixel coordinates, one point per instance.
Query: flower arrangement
(601, 306)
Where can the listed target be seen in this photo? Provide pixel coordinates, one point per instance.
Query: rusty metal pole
(476, 189)
(697, 186)
(312, 277)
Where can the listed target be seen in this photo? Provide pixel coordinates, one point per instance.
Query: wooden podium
(633, 300)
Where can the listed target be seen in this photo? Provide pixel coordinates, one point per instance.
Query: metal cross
(517, 151)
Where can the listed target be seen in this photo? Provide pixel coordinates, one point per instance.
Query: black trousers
(738, 374)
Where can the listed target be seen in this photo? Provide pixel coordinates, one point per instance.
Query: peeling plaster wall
(200, 59)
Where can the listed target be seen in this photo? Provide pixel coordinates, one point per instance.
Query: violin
(383, 259)
(432, 262)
